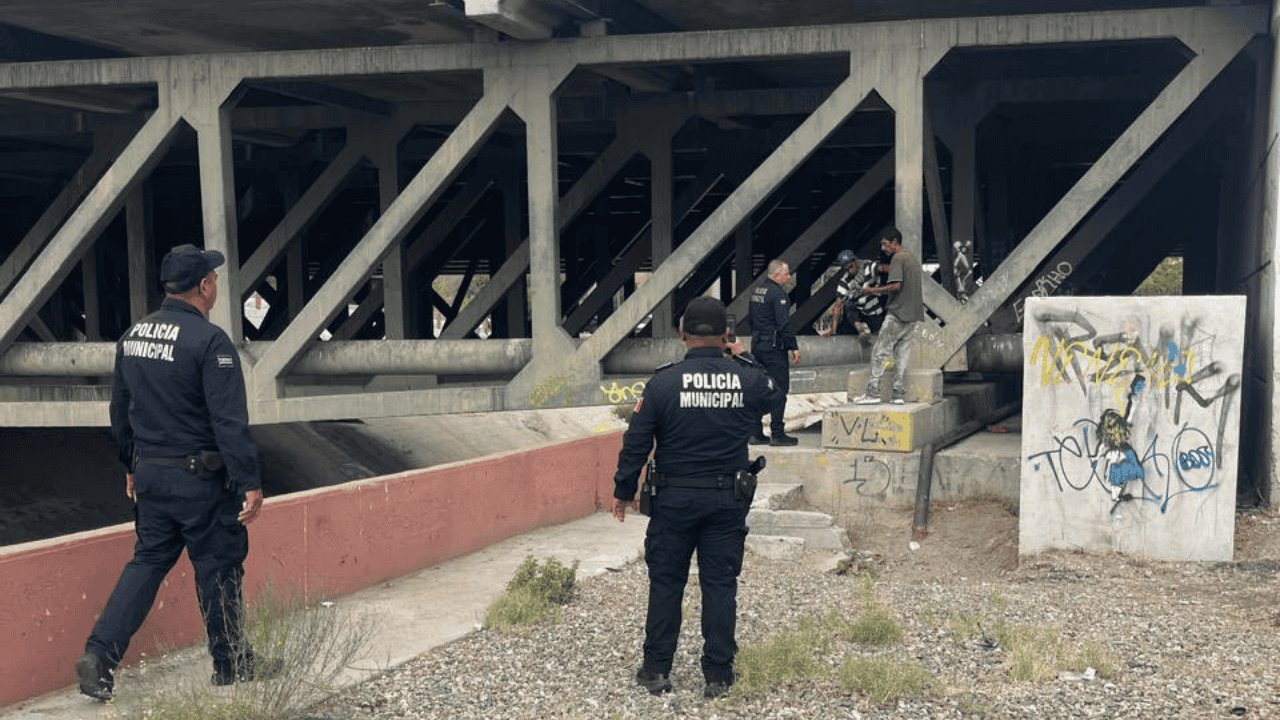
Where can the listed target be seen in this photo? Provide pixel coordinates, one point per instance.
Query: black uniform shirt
(701, 412)
(178, 390)
(770, 316)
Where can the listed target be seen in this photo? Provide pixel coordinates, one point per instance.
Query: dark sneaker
(250, 670)
(758, 439)
(97, 680)
(655, 683)
(718, 688)
(783, 440)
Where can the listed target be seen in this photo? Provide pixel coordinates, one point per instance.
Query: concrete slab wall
(324, 543)
(1131, 425)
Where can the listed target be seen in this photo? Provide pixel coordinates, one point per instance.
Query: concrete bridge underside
(561, 177)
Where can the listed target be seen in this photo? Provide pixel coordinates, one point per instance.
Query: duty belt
(190, 463)
(717, 482)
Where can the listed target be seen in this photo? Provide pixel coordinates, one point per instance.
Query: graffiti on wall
(617, 394)
(1158, 406)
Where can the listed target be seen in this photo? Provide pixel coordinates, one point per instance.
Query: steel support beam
(1215, 45)
(100, 205)
(435, 175)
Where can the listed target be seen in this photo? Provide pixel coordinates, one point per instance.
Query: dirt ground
(978, 540)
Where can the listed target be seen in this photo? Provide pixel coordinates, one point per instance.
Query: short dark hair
(891, 234)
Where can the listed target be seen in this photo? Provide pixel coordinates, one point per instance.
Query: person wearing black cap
(773, 343)
(180, 420)
(857, 311)
(699, 412)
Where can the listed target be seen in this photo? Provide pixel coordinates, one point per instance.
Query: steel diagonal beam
(310, 205)
(839, 213)
(80, 183)
(1215, 49)
(434, 176)
(729, 215)
(624, 50)
(628, 142)
(51, 266)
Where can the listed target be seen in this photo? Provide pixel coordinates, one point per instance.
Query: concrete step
(922, 386)
(776, 547)
(778, 496)
(984, 465)
(817, 529)
(906, 428)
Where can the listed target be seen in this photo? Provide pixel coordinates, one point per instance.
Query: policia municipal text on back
(699, 412)
(180, 419)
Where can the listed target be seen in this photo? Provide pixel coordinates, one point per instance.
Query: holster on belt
(745, 481)
(648, 489)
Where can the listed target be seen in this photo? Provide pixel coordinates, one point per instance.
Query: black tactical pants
(177, 510)
(715, 524)
(777, 363)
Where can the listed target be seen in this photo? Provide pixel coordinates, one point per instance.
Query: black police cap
(704, 316)
(186, 265)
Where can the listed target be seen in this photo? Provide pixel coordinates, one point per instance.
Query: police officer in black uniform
(181, 422)
(700, 412)
(772, 339)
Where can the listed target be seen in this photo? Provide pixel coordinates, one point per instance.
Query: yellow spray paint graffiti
(617, 394)
(1110, 364)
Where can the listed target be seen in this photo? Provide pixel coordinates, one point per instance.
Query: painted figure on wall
(1122, 463)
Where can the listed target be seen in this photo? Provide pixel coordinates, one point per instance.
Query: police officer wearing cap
(180, 419)
(773, 342)
(699, 412)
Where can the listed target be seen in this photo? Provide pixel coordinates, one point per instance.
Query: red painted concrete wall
(325, 542)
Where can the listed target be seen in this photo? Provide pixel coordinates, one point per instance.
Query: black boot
(780, 439)
(248, 670)
(758, 439)
(655, 683)
(97, 677)
(718, 687)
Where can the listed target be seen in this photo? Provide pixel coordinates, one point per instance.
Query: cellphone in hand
(730, 323)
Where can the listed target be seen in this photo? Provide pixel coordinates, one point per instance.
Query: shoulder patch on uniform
(226, 361)
(783, 301)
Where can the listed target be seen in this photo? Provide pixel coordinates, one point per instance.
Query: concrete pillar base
(923, 386)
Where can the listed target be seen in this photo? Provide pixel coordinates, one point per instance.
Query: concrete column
(743, 249)
(143, 279)
(517, 297)
(394, 298)
(660, 200)
(1268, 301)
(908, 177)
(964, 195)
(537, 106)
(218, 210)
(89, 283)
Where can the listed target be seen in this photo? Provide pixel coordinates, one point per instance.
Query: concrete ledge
(321, 543)
(922, 386)
(900, 428)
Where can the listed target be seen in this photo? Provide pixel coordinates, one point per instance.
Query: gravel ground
(1190, 641)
